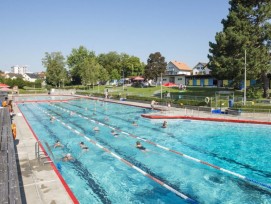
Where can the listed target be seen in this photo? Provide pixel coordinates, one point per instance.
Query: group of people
(68, 156)
(8, 103)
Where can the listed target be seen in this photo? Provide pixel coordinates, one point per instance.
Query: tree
(247, 28)
(55, 68)
(115, 74)
(75, 60)
(90, 71)
(103, 76)
(155, 66)
(110, 61)
(131, 65)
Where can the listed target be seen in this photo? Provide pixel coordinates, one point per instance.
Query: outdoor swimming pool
(114, 171)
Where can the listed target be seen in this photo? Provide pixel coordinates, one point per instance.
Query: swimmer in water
(58, 144)
(96, 129)
(67, 157)
(114, 133)
(83, 146)
(164, 124)
(134, 123)
(140, 146)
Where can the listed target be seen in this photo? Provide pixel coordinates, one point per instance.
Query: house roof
(181, 66)
(14, 75)
(203, 63)
(32, 75)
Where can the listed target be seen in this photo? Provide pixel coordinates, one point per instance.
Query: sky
(179, 29)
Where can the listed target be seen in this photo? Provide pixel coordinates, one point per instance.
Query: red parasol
(5, 89)
(3, 86)
(169, 84)
(138, 78)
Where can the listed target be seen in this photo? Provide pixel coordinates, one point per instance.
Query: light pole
(161, 85)
(123, 80)
(245, 80)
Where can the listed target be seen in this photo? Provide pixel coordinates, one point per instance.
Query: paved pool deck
(41, 183)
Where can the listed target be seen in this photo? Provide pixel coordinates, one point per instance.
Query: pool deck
(163, 112)
(40, 183)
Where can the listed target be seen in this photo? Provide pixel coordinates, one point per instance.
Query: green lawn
(156, 91)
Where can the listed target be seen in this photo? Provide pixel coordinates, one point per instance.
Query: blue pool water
(42, 98)
(97, 177)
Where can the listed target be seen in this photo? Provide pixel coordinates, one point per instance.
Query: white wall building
(19, 69)
(201, 69)
(178, 68)
(175, 73)
(30, 77)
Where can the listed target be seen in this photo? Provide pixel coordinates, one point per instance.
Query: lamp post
(161, 85)
(123, 80)
(245, 79)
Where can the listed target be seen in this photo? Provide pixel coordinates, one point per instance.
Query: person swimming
(58, 144)
(164, 124)
(96, 129)
(114, 133)
(83, 146)
(67, 157)
(140, 146)
(134, 123)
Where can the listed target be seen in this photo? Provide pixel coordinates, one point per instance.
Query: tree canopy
(55, 68)
(90, 71)
(247, 28)
(84, 65)
(155, 66)
(75, 60)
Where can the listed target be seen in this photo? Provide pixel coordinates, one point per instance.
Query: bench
(232, 112)
(9, 181)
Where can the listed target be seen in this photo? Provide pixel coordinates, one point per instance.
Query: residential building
(19, 69)
(32, 77)
(201, 69)
(178, 68)
(176, 72)
(13, 76)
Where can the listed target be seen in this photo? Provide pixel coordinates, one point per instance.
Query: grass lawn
(156, 91)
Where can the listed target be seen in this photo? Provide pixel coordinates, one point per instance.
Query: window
(180, 79)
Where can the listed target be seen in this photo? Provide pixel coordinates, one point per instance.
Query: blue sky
(179, 29)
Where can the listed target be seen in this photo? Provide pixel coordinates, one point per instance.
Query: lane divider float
(247, 179)
(178, 193)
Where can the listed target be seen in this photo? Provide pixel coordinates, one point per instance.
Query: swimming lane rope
(178, 193)
(247, 179)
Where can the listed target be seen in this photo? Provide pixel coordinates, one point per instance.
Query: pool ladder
(40, 155)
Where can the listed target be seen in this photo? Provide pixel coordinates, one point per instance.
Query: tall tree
(155, 66)
(247, 28)
(103, 76)
(131, 65)
(115, 74)
(55, 68)
(90, 71)
(75, 60)
(110, 61)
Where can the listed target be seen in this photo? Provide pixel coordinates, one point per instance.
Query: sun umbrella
(3, 85)
(138, 78)
(5, 89)
(169, 84)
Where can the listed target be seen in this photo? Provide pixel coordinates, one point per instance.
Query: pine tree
(247, 28)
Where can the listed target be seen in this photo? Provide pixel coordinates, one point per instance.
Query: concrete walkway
(39, 183)
(162, 110)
